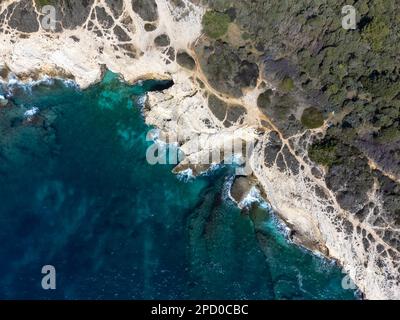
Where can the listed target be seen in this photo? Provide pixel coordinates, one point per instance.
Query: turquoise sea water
(76, 192)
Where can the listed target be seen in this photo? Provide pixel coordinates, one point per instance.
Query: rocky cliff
(318, 104)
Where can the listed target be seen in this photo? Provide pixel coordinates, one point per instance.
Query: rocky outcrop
(250, 82)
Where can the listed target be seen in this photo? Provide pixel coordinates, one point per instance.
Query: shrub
(324, 153)
(185, 60)
(376, 33)
(42, 3)
(333, 89)
(215, 24)
(389, 135)
(287, 84)
(312, 118)
(264, 99)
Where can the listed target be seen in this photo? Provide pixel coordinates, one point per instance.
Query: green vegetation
(315, 22)
(42, 3)
(312, 118)
(389, 135)
(185, 60)
(264, 99)
(324, 153)
(376, 34)
(333, 89)
(341, 71)
(245, 36)
(386, 116)
(215, 24)
(227, 70)
(352, 74)
(287, 84)
(283, 107)
(385, 85)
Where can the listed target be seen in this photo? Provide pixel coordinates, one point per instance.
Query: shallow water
(76, 192)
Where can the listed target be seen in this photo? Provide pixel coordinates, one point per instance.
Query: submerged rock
(3, 101)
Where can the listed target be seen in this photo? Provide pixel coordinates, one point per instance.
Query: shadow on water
(76, 192)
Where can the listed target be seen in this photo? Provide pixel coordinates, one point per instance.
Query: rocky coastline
(339, 199)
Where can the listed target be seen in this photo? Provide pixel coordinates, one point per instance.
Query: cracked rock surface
(320, 106)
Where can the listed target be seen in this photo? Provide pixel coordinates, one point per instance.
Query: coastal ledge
(227, 87)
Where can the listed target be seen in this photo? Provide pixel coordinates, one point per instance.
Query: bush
(376, 34)
(185, 60)
(42, 3)
(333, 89)
(287, 84)
(283, 107)
(215, 24)
(389, 135)
(264, 99)
(324, 153)
(312, 118)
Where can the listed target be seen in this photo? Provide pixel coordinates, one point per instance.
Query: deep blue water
(76, 192)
